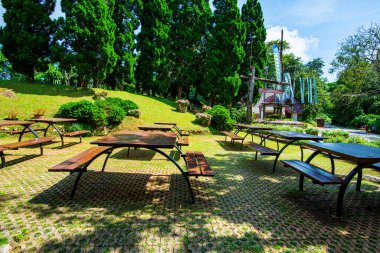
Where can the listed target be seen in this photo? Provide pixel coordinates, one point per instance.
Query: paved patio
(142, 205)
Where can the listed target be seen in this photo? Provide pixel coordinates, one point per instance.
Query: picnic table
(149, 140)
(174, 125)
(362, 156)
(251, 129)
(20, 144)
(52, 122)
(156, 127)
(290, 138)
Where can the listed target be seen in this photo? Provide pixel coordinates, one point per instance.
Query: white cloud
(300, 46)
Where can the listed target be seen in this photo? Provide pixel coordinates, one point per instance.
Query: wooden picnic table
(250, 129)
(156, 127)
(362, 156)
(21, 144)
(291, 137)
(149, 140)
(52, 122)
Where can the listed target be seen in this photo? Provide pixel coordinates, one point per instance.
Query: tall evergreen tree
(254, 44)
(125, 18)
(225, 53)
(87, 38)
(27, 34)
(190, 23)
(152, 64)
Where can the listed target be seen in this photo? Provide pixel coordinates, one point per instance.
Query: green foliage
(366, 119)
(115, 113)
(125, 104)
(221, 118)
(27, 33)
(125, 18)
(275, 116)
(86, 40)
(312, 130)
(188, 34)
(225, 53)
(238, 114)
(85, 112)
(78, 126)
(335, 133)
(203, 119)
(152, 65)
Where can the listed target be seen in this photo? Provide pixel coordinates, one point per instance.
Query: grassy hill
(35, 96)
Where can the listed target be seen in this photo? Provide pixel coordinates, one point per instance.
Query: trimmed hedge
(221, 118)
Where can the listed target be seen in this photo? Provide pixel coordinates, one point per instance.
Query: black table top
(15, 123)
(156, 128)
(53, 120)
(139, 139)
(358, 153)
(252, 127)
(296, 135)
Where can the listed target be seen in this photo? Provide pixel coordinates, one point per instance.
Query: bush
(115, 113)
(335, 133)
(238, 114)
(221, 118)
(85, 112)
(312, 130)
(365, 119)
(274, 117)
(127, 105)
(203, 118)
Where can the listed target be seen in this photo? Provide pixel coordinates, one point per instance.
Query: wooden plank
(192, 164)
(232, 135)
(77, 161)
(75, 133)
(314, 173)
(203, 164)
(183, 141)
(263, 150)
(27, 143)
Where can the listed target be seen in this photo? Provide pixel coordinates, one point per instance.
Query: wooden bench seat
(197, 165)
(316, 174)
(22, 144)
(234, 137)
(80, 162)
(27, 143)
(183, 141)
(75, 133)
(262, 149)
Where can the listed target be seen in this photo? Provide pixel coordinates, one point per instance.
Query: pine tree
(252, 17)
(87, 37)
(152, 64)
(125, 18)
(225, 53)
(190, 23)
(26, 36)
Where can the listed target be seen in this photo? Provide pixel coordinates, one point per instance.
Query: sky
(314, 28)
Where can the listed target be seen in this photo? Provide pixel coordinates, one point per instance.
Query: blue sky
(314, 28)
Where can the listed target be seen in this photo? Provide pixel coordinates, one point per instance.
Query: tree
(86, 39)
(27, 34)
(316, 65)
(190, 23)
(125, 18)
(225, 53)
(152, 64)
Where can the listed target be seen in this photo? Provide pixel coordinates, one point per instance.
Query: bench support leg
(2, 159)
(180, 169)
(343, 188)
(279, 153)
(332, 164)
(359, 180)
(41, 149)
(256, 155)
(106, 160)
(302, 177)
(76, 184)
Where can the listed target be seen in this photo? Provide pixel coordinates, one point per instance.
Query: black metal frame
(358, 170)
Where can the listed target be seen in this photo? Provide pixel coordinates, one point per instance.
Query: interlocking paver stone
(141, 204)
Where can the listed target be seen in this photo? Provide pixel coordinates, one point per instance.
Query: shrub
(274, 117)
(238, 114)
(85, 112)
(365, 119)
(134, 112)
(335, 133)
(123, 103)
(203, 118)
(77, 126)
(358, 140)
(221, 118)
(115, 113)
(312, 130)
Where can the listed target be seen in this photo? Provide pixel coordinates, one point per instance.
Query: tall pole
(251, 87)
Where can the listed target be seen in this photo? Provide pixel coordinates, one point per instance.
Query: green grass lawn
(35, 96)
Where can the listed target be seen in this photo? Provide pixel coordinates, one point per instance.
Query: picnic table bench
(52, 123)
(174, 125)
(196, 163)
(21, 144)
(234, 137)
(363, 156)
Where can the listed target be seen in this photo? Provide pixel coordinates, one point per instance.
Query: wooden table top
(252, 127)
(296, 136)
(156, 127)
(139, 139)
(351, 151)
(53, 120)
(15, 123)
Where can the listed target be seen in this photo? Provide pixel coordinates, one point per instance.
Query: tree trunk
(251, 87)
(179, 91)
(81, 81)
(30, 76)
